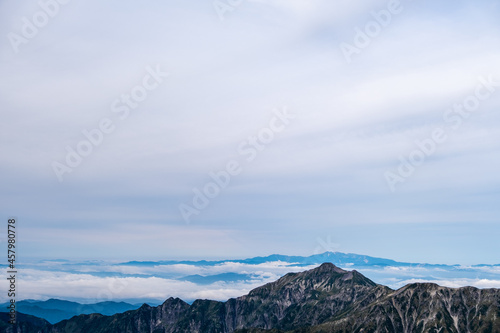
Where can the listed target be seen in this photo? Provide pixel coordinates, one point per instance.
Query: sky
(231, 129)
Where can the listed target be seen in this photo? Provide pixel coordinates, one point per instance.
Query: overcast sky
(308, 107)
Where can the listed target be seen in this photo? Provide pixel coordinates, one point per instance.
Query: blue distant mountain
(55, 310)
(336, 258)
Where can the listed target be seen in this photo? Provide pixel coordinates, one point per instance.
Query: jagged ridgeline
(324, 299)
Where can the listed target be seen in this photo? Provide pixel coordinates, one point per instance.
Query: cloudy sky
(368, 127)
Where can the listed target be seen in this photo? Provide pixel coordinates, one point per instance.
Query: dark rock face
(424, 307)
(25, 323)
(325, 299)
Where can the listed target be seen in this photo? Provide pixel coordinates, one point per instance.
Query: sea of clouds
(153, 282)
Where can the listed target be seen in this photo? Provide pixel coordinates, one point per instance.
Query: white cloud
(99, 281)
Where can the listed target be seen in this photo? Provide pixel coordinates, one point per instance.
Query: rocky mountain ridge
(324, 299)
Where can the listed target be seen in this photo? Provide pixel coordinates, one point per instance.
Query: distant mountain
(55, 310)
(336, 258)
(324, 299)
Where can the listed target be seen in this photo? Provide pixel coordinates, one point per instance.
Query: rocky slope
(423, 307)
(325, 299)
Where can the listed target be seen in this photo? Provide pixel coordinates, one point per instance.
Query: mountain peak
(325, 278)
(145, 306)
(328, 267)
(327, 274)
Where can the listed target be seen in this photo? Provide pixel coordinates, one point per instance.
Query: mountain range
(55, 310)
(337, 258)
(324, 299)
